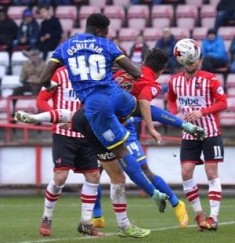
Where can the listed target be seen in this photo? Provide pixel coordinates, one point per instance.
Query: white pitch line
(107, 234)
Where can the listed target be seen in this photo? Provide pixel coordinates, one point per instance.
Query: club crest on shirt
(109, 135)
(154, 91)
(220, 90)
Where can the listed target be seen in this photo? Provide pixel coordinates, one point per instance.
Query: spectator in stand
(225, 13)
(214, 53)
(139, 50)
(50, 31)
(54, 2)
(232, 54)
(28, 31)
(167, 43)
(8, 30)
(29, 76)
(24, 2)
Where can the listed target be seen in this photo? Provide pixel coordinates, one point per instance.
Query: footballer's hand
(52, 87)
(156, 135)
(67, 125)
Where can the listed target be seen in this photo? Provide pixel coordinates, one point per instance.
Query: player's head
(192, 68)
(97, 24)
(156, 59)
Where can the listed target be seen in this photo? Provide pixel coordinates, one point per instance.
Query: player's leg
(136, 150)
(213, 151)
(98, 218)
(86, 163)
(53, 116)
(165, 117)
(162, 186)
(119, 202)
(52, 195)
(190, 157)
(54, 188)
(111, 133)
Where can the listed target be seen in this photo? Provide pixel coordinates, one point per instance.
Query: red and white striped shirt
(202, 92)
(63, 97)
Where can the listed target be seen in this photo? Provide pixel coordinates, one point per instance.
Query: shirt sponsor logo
(106, 156)
(72, 94)
(189, 101)
(109, 135)
(193, 101)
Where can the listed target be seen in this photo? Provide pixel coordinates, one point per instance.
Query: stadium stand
(138, 16)
(8, 83)
(180, 33)
(100, 4)
(199, 33)
(152, 35)
(230, 81)
(17, 61)
(124, 3)
(197, 3)
(117, 16)
(207, 16)
(15, 12)
(186, 16)
(162, 16)
(127, 37)
(84, 12)
(4, 63)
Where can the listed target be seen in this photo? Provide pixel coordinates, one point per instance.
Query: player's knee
(60, 177)
(93, 177)
(186, 174)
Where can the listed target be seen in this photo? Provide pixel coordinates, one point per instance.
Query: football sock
(135, 173)
(214, 195)
(88, 198)
(191, 191)
(52, 195)
(162, 186)
(119, 202)
(165, 117)
(53, 116)
(97, 212)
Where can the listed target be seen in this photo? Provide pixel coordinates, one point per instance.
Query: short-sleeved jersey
(145, 87)
(198, 93)
(63, 97)
(88, 59)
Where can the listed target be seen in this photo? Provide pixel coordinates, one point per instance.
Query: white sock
(88, 198)
(52, 195)
(118, 197)
(191, 191)
(54, 116)
(42, 117)
(214, 196)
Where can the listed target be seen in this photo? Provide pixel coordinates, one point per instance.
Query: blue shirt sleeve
(57, 54)
(115, 50)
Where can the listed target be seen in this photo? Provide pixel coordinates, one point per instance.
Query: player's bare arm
(47, 74)
(145, 110)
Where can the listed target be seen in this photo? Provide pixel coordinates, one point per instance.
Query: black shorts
(80, 124)
(211, 148)
(73, 153)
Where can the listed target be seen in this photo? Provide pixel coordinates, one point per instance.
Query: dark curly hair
(97, 20)
(156, 59)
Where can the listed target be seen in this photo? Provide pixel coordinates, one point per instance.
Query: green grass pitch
(20, 216)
